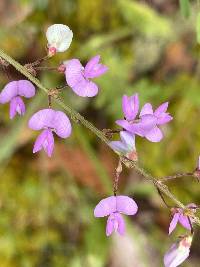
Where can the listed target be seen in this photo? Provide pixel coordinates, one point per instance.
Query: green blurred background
(46, 205)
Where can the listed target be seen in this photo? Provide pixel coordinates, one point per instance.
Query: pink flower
(178, 252)
(113, 207)
(49, 121)
(78, 77)
(13, 92)
(148, 122)
(179, 216)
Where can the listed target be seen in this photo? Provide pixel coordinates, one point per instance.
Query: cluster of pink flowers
(145, 123)
(48, 120)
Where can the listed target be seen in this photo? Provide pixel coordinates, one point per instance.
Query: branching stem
(78, 117)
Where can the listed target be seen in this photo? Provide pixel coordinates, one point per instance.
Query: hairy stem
(78, 117)
(175, 176)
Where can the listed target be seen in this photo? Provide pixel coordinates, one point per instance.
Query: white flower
(59, 38)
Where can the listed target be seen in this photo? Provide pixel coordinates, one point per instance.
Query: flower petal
(126, 205)
(198, 165)
(59, 36)
(8, 92)
(109, 225)
(130, 106)
(173, 222)
(38, 145)
(155, 135)
(17, 106)
(145, 125)
(93, 69)
(49, 144)
(61, 124)
(183, 220)
(42, 119)
(130, 127)
(128, 139)
(115, 223)
(164, 118)
(161, 109)
(105, 207)
(118, 146)
(86, 89)
(146, 110)
(25, 88)
(121, 224)
(44, 140)
(74, 72)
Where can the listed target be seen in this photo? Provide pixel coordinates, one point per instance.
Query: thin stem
(163, 199)
(49, 101)
(46, 68)
(175, 176)
(110, 131)
(77, 116)
(38, 61)
(117, 175)
(62, 86)
(189, 220)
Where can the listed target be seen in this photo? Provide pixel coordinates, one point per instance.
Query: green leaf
(198, 27)
(185, 7)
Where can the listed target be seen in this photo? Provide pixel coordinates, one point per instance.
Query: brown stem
(46, 68)
(38, 61)
(192, 229)
(49, 101)
(117, 175)
(175, 176)
(62, 86)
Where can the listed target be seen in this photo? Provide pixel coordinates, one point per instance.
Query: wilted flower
(59, 38)
(179, 215)
(178, 252)
(49, 121)
(148, 121)
(113, 207)
(126, 146)
(12, 93)
(78, 77)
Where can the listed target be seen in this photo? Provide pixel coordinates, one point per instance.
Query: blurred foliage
(46, 204)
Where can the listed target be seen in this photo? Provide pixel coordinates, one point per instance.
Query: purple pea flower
(126, 146)
(78, 77)
(49, 121)
(179, 216)
(13, 92)
(148, 122)
(178, 252)
(113, 207)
